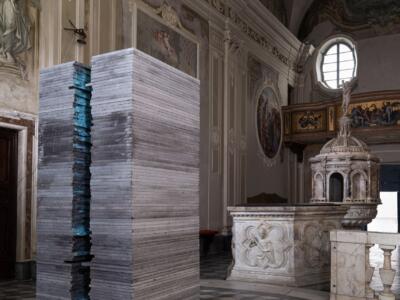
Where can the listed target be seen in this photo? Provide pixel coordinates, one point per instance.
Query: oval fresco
(269, 122)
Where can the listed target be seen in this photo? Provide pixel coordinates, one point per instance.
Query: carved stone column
(387, 273)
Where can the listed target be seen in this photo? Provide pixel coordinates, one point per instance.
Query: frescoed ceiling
(381, 16)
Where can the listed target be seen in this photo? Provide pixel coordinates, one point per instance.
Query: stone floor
(213, 270)
(13, 290)
(213, 286)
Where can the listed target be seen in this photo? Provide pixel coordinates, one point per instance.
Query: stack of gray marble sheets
(145, 179)
(59, 89)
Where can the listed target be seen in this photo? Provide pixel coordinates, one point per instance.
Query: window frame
(323, 55)
(319, 58)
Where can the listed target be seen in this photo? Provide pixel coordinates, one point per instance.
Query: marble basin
(287, 245)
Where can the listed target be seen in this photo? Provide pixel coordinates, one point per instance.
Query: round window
(338, 63)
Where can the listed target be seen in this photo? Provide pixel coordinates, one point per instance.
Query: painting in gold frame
(374, 114)
(309, 121)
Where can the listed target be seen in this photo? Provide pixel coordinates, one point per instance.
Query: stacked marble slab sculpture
(64, 183)
(145, 184)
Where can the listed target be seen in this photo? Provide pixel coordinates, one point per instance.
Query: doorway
(8, 201)
(388, 217)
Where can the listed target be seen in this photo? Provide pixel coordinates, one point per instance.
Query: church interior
(199, 149)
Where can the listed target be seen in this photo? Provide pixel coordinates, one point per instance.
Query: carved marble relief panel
(313, 244)
(265, 246)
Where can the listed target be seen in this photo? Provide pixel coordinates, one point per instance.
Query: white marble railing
(351, 271)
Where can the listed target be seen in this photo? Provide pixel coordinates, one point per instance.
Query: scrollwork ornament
(169, 15)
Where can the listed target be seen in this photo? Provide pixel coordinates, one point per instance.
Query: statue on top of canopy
(347, 88)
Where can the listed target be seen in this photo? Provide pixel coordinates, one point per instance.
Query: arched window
(336, 62)
(336, 188)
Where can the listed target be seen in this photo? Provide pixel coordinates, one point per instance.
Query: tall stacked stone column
(144, 185)
(64, 183)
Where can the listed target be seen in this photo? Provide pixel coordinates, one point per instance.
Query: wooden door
(8, 202)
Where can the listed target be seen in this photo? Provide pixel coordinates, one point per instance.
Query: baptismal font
(346, 172)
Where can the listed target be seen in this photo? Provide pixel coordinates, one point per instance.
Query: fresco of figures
(166, 44)
(269, 123)
(375, 114)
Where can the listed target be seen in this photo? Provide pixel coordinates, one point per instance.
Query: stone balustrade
(351, 271)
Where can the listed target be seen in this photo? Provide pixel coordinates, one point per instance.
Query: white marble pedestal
(286, 245)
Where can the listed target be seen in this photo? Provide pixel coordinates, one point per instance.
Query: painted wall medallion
(269, 122)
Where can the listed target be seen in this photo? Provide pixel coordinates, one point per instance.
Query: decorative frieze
(261, 40)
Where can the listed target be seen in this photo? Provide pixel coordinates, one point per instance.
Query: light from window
(338, 64)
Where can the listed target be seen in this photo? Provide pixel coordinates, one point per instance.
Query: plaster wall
(378, 64)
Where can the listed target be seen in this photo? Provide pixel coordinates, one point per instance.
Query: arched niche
(336, 187)
(359, 186)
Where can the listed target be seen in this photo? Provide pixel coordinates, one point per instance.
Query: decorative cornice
(228, 12)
